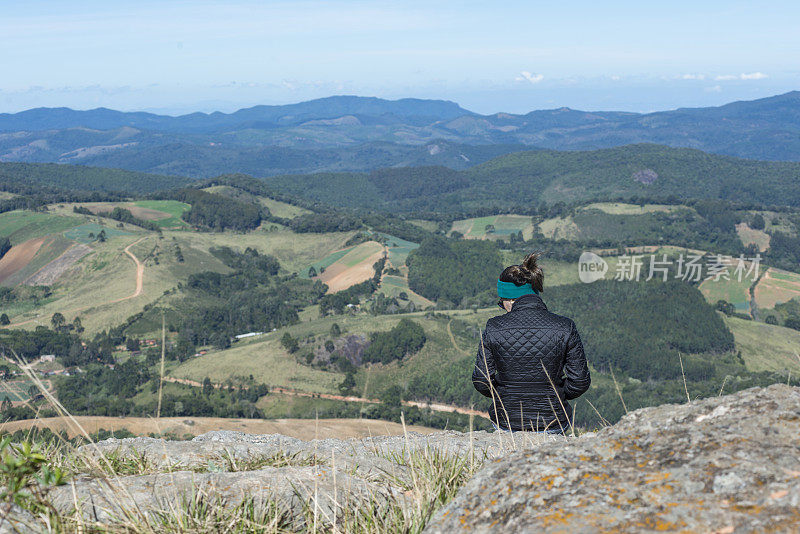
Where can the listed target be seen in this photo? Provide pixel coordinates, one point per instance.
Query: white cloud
(692, 77)
(753, 76)
(742, 76)
(714, 89)
(531, 77)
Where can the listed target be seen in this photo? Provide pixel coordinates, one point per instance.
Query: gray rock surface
(15, 520)
(327, 475)
(725, 465)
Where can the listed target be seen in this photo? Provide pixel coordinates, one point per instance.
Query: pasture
(165, 213)
(88, 232)
(494, 226)
(622, 208)
(734, 291)
(282, 209)
(296, 252)
(766, 347)
(265, 359)
(750, 236)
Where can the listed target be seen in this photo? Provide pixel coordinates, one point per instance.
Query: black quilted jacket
(531, 362)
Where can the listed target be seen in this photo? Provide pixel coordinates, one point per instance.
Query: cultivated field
(777, 286)
(20, 226)
(18, 257)
(305, 429)
(353, 267)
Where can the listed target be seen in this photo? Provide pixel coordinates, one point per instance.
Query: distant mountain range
(349, 133)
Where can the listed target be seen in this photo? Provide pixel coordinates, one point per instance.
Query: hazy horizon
(180, 57)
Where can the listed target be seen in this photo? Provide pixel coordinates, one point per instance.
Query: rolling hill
(348, 133)
(524, 179)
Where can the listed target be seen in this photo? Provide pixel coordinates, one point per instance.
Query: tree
(336, 330)
(4, 320)
(101, 237)
(312, 272)
(348, 384)
(757, 223)
(132, 344)
(290, 343)
(771, 319)
(329, 346)
(77, 324)
(792, 322)
(58, 321)
(208, 387)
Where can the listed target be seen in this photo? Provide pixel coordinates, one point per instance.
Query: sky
(177, 57)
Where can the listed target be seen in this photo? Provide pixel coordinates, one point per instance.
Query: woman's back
(530, 361)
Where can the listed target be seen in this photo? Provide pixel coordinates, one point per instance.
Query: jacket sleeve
(485, 369)
(576, 369)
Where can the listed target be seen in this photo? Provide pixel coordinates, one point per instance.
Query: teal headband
(510, 290)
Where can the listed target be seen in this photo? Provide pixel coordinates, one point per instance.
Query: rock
(15, 520)
(726, 464)
(328, 476)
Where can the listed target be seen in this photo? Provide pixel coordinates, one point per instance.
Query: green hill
(525, 179)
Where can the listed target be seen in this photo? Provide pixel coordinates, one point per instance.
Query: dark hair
(527, 272)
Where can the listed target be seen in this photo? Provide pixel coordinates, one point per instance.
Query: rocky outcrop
(728, 464)
(326, 478)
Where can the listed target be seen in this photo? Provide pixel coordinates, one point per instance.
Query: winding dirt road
(138, 291)
(436, 407)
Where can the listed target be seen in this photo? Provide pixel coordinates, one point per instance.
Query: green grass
(174, 208)
(20, 226)
(327, 261)
(622, 208)
(399, 249)
(504, 225)
(282, 209)
(15, 390)
(81, 233)
(733, 291)
(266, 360)
(360, 253)
(296, 252)
(766, 347)
(430, 226)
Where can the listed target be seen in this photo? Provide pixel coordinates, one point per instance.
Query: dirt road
(138, 291)
(436, 407)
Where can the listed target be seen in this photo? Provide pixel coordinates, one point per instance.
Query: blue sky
(175, 56)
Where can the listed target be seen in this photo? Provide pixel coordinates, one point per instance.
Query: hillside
(80, 178)
(525, 179)
(347, 133)
(279, 307)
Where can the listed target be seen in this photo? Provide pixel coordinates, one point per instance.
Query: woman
(530, 361)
